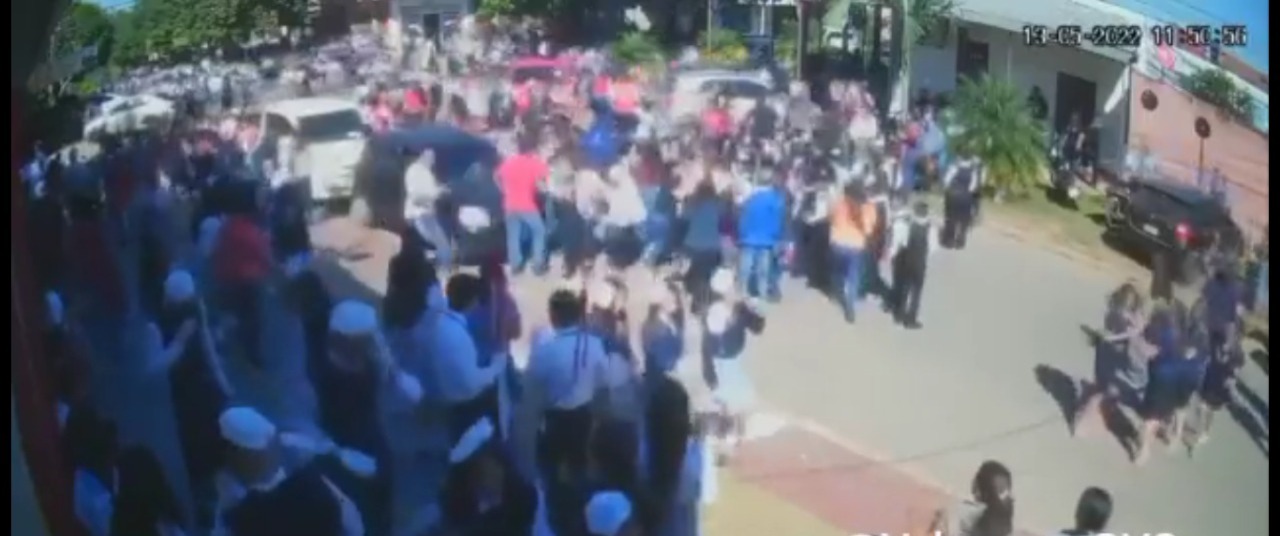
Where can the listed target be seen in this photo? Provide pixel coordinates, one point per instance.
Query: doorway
(1075, 97)
(973, 58)
(431, 26)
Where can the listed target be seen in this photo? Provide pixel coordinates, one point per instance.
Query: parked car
(691, 90)
(122, 114)
(1166, 217)
(464, 164)
(329, 136)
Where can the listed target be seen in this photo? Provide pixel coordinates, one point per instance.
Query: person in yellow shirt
(853, 219)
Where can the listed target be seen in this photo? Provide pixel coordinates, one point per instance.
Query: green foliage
(723, 45)
(1218, 88)
(173, 27)
(83, 25)
(925, 16)
(996, 125)
(637, 48)
(788, 42)
(492, 8)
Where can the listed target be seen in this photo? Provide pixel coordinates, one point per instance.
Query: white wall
(935, 69)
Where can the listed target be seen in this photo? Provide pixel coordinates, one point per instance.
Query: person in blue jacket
(601, 146)
(761, 229)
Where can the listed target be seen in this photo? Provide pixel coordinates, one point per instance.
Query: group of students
(581, 442)
(1175, 364)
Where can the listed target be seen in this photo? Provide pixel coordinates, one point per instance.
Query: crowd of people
(1174, 363)
(420, 418)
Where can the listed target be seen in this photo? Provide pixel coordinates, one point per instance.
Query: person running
(852, 219)
(727, 326)
(1218, 389)
(1123, 327)
(913, 243)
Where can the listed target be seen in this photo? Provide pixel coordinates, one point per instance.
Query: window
(277, 126)
(330, 126)
(743, 89)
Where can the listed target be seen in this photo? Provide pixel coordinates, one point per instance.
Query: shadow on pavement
(1062, 387)
(1254, 415)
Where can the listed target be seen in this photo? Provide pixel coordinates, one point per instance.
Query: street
(933, 404)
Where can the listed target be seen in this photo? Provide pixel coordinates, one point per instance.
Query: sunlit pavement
(880, 417)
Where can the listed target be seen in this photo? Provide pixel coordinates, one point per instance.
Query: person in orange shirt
(853, 219)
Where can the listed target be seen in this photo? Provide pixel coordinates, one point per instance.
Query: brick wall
(1238, 150)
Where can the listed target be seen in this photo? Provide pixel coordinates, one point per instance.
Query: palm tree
(996, 125)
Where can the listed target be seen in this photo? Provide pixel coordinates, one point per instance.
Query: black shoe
(912, 325)
(849, 316)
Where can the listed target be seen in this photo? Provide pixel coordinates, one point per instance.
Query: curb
(918, 476)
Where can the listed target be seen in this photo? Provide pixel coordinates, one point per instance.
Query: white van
(329, 136)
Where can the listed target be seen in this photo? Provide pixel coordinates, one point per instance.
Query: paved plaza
(869, 428)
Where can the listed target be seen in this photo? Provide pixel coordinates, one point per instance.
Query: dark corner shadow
(342, 285)
(1062, 387)
(1254, 415)
(1130, 250)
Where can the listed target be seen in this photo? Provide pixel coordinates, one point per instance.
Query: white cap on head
(601, 294)
(244, 427)
(607, 512)
(718, 316)
(353, 318)
(722, 281)
(179, 286)
(53, 302)
(471, 441)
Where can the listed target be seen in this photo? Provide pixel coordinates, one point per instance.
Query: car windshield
(330, 126)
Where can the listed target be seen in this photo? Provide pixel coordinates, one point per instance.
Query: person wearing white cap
(564, 375)
(483, 495)
(355, 381)
(726, 327)
(609, 513)
(179, 345)
(258, 497)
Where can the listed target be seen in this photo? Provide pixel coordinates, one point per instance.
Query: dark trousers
(244, 301)
(956, 220)
(703, 263)
(563, 444)
(462, 415)
(908, 285)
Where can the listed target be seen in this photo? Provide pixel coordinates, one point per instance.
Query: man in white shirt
(565, 372)
(468, 389)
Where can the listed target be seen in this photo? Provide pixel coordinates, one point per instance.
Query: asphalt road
(1001, 344)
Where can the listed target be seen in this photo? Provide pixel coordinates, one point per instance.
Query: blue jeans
(757, 271)
(849, 265)
(428, 225)
(522, 226)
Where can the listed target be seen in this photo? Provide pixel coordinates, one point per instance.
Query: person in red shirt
(241, 264)
(521, 177)
(717, 124)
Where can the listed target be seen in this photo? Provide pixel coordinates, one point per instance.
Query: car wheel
(1191, 270)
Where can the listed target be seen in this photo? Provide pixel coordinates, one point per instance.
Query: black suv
(1163, 216)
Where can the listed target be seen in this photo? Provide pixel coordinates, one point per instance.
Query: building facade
(430, 15)
(1088, 84)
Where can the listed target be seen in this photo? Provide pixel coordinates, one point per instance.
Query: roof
(309, 106)
(1013, 16)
